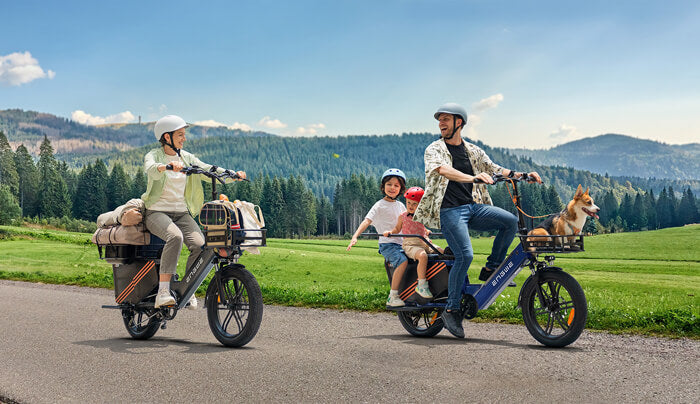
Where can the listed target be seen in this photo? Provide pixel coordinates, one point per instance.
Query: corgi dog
(568, 222)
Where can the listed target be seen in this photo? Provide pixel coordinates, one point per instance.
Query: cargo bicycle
(553, 303)
(233, 298)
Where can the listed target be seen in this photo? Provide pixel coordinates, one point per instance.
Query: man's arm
(453, 174)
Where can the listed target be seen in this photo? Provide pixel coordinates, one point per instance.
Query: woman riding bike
(171, 199)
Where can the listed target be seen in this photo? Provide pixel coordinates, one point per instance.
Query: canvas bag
(121, 235)
(251, 219)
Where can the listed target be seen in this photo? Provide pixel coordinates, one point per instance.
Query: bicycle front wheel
(235, 312)
(554, 308)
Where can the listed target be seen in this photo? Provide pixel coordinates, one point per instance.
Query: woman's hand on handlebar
(174, 166)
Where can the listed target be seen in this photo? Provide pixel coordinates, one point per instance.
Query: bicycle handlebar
(208, 173)
(501, 178)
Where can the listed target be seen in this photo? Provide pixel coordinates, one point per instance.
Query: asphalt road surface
(58, 345)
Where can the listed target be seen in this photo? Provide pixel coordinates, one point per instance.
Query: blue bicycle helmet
(394, 172)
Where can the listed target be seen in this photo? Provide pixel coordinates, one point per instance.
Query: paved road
(58, 345)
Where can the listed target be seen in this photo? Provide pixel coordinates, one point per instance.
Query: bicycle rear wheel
(424, 323)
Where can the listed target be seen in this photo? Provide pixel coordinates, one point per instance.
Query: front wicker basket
(550, 244)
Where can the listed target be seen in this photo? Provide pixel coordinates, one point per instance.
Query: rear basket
(550, 244)
(126, 254)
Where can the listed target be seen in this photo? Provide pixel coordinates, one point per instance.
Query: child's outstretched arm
(362, 227)
(396, 229)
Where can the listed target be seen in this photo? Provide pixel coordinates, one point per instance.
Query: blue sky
(531, 74)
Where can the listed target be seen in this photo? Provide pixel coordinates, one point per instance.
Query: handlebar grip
(168, 166)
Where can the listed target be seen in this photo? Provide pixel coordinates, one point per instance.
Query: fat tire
(131, 320)
(248, 290)
(411, 321)
(556, 280)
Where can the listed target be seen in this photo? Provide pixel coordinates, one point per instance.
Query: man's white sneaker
(164, 298)
(192, 303)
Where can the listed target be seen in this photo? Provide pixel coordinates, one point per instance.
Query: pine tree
(687, 208)
(673, 202)
(9, 208)
(664, 210)
(652, 221)
(8, 170)
(626, 211)
(118, 189)
(54, 199)
(639, 217)
(138, 185)
(273, 207)
(28, 181)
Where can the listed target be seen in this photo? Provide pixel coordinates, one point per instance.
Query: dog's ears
(579, 192)
(586, 193)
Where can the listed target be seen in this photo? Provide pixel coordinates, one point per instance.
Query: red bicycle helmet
(414, 194)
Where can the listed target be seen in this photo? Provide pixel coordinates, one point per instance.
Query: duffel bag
(121, 235)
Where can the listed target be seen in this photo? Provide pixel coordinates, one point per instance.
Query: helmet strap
(454, 127)
(172, 145)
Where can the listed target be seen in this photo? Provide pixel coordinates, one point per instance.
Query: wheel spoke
(227, 319)
(550, 324)
(239, 320)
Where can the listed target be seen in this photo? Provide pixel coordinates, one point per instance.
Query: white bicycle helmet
(168, 123)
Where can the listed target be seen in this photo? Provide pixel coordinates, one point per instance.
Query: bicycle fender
(533, 278)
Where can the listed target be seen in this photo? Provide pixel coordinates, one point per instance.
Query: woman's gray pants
(174, 228)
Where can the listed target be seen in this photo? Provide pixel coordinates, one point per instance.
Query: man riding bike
(453, 203)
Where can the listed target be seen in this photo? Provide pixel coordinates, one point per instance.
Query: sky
(530, 74)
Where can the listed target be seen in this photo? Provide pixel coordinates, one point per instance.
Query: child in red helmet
(414, 247)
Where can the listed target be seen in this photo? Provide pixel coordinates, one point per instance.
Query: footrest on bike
(408, 307)
(105, 306)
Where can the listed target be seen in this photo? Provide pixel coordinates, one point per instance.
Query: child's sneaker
(394, 301)
(424, 292)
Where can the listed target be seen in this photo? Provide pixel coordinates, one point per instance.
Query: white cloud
(214, 124)
(267, 122)
(87, 119)
(20, 68)
(310, 129)
(488, 102)
(563, 133)
(473, 121)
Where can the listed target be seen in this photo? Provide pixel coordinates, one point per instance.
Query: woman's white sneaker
(164, 298)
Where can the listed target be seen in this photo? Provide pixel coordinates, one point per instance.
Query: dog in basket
(568, 222)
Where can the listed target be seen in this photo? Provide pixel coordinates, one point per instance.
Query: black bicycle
(233, 299)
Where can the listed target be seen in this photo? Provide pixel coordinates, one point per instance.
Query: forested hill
(325, 161)
(620, 155)
(71, 139)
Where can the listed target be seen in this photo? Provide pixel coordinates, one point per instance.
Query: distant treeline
(292, 208)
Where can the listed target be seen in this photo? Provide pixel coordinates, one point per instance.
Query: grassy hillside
(644, 282)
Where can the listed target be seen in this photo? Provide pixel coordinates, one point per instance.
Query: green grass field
(643, 282)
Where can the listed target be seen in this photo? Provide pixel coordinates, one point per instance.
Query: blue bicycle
(553, 303)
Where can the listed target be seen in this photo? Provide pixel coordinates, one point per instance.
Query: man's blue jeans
(456, 222)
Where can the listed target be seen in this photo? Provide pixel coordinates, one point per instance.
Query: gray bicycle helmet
(455, 110)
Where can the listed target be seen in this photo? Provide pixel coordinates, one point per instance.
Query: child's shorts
(392, 253)
(413, 249)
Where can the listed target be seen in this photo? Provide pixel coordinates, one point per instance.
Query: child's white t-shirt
(384, 215)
